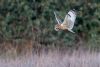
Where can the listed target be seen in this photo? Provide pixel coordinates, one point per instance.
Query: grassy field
(51, 58)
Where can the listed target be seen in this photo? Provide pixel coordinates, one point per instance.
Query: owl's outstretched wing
(65, 22)
(69, 20)
(58, 20)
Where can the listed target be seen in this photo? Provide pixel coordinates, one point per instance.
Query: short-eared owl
(68, 22)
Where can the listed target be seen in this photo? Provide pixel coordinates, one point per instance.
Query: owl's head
(58, 27)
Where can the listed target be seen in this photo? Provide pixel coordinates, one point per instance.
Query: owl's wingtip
(71, 31)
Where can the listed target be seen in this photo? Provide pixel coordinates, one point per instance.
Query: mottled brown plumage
(68, 22)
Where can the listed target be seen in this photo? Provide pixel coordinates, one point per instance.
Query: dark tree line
(34, 19)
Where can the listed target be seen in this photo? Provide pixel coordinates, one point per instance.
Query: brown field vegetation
(28, 55)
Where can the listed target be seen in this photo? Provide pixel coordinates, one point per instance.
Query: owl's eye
(57, 29)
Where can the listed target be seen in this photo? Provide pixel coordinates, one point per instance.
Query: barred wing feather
(69, 20)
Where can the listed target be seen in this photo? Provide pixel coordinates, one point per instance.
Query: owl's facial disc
(57, 27)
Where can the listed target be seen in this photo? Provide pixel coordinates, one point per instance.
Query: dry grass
(54, 58)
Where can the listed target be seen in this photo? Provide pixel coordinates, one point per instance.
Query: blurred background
(33, 20)
(28, 38)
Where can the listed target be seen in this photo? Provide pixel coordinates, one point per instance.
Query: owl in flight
(68, 22)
